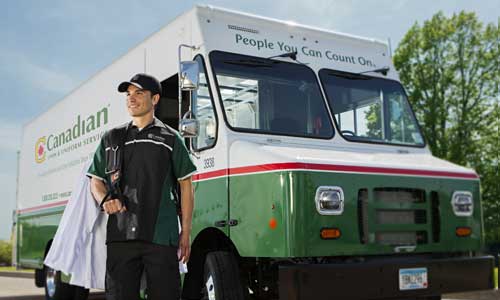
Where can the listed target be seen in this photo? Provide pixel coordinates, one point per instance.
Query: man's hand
(113, 206)
(184, 246)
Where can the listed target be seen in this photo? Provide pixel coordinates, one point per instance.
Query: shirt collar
(156, 123)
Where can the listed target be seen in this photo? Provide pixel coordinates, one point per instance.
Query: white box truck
(314, 180)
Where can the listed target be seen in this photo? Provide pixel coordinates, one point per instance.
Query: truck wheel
(221, 277)
(80, 293)
(55, 289)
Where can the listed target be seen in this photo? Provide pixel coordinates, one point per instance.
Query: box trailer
(314, 180)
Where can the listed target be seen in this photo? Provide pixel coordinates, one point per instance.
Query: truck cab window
(270, 96)
(203, 110)
(370, 109)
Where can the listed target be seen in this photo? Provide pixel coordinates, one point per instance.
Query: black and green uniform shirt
(154, 159)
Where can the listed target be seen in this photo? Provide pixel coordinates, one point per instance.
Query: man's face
(140, 102)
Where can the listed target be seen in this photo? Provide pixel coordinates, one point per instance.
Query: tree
(450, 67)
(5, 253)
(487, 165)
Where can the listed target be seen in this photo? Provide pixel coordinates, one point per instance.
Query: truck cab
(313, 173)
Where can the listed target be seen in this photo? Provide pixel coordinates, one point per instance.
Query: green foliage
(374, 121)
(496, 278)
(487, 161)
(450, 67)
(5, 253)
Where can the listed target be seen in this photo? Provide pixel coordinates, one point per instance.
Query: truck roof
(288, 23)
(220, 12)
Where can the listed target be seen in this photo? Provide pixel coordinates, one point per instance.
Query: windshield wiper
(249, 63)
(383, 71)
(292, 55)
(254, 63)
(350, 76)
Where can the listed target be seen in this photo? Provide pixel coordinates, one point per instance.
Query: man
(142, 229)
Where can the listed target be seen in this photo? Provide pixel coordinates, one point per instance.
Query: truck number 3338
(208, 163)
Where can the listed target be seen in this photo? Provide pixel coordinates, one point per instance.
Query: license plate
(413, 279)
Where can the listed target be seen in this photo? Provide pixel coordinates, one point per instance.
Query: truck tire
(80, 293)
(40, 277)
(222, 277)
(55, 289)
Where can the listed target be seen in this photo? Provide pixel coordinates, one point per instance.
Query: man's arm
(187, 204)
(99, 190)
(183, 168)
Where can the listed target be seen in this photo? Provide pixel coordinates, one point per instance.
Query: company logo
(40, 150)
(155, 137)
(70, 137)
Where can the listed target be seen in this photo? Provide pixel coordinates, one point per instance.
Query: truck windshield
(369, 109)
(269, 96)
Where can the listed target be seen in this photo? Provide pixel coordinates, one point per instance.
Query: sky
(49, 48)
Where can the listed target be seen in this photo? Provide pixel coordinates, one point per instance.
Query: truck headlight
(329, 200)
(462, 203)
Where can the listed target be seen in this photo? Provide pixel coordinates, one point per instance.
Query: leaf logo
(40, 150)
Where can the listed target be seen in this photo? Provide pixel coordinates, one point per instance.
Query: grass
(13, 269)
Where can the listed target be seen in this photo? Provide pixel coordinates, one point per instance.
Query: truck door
(210, 156)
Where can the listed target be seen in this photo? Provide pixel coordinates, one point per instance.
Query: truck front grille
(399, 195)
(436, 217)
(396, 216)
(401, 238)
(401, 216)
(363, 215)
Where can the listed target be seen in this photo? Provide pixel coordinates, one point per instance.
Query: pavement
(17, 274)
(21, 286)
(481, 295)
(18, 286)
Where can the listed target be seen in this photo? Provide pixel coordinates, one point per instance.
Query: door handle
(233, 222)
(221, 223)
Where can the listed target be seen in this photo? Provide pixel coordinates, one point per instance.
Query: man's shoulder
(166, 134)
(171, 130)
(120, 127)
(113, 132)
(167, 130)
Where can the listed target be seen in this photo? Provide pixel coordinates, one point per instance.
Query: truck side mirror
(190, 75)
(189, 127)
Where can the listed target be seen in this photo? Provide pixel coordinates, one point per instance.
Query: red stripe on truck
(40, 207)
(334, 168)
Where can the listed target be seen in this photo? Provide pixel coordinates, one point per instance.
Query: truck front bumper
(380, 279)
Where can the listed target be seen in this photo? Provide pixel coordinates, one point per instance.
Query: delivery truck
(313, 178)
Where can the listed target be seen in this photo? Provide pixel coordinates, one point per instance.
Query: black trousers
(126, 262)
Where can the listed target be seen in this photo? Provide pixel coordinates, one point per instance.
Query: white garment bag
(79, 246)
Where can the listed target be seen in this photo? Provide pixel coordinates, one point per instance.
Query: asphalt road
(18, 288)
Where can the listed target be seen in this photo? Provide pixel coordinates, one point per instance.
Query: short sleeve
(183, 166)
(97, 168)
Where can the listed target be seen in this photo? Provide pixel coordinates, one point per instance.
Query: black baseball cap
(142, 81)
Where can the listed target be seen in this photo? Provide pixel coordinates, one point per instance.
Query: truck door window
(270, 96)
(203, 110)
(370, 109)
